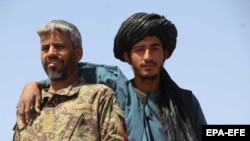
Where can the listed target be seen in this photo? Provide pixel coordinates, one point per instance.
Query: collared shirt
(79, 112)
(148, 102)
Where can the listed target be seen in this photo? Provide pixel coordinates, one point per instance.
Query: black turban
(140, 25)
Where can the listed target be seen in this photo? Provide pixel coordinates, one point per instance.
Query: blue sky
(211, 58)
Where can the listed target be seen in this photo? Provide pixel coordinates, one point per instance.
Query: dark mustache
(48, 59)
(148, 62)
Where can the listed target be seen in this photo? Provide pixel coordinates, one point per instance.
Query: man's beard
(56, 75)
(146, 77)
(151, 77)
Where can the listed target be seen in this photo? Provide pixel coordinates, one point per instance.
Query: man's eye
(44, 48)
(139, 49)
(59, 47)
(155, 48)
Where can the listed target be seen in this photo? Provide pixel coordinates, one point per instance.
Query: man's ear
(166, 54)
(126, 57)
(79, 53)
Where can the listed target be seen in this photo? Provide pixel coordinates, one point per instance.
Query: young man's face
(147, 57)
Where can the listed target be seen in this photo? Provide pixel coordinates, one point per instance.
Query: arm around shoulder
(29, 98)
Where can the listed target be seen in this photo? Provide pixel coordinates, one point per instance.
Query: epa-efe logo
(236, 132)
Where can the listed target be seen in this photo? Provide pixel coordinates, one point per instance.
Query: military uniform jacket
(80, 112)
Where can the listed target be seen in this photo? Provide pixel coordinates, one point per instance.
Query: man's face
(57, 55)
(147, 57)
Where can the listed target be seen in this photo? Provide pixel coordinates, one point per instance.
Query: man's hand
(31, 96)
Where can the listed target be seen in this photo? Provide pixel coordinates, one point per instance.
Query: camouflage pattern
(80, 112)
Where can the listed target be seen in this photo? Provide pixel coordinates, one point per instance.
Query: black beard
(148, 78)
(56, 75)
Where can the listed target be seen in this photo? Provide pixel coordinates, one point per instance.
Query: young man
(71, 109)
(155, 107)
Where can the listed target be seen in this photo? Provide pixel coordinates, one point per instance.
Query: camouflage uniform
(79, 112)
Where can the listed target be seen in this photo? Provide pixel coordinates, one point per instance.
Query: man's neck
(148, 85)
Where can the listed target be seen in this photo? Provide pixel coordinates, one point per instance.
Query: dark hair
(140, 25)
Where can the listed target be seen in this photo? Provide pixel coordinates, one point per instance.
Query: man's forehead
(55, 36)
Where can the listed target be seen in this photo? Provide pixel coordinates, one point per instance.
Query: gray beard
(56, 75)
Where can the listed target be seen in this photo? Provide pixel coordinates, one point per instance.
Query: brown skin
(57, 52)
(30, 96)
(59, 48)
(147, 57)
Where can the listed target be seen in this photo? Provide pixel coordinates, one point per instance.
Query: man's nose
(147, 55)
(52, 51)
